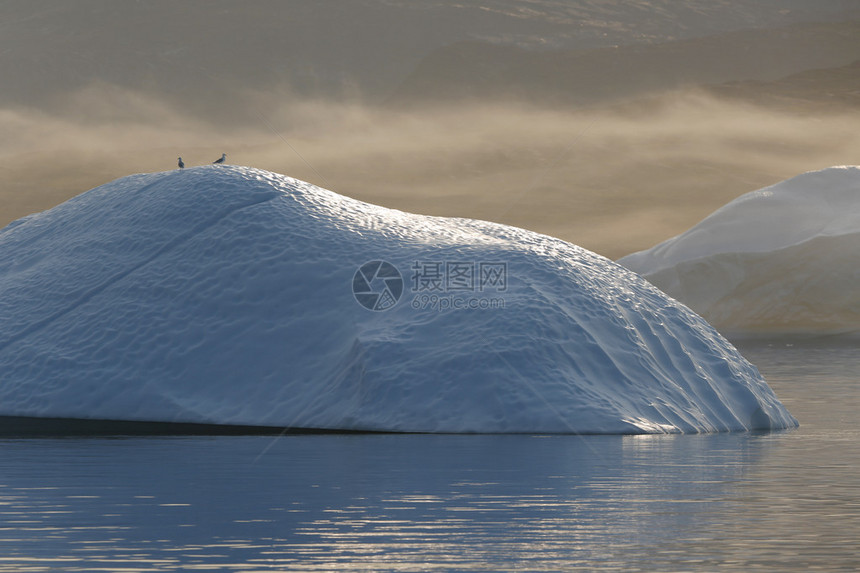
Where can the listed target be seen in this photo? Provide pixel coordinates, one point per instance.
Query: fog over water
(612, 181)
(614, 175)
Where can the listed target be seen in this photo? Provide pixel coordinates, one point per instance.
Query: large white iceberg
(783, 259)
(230, 295)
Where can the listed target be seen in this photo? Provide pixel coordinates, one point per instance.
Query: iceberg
(780, 260)
(234, 296)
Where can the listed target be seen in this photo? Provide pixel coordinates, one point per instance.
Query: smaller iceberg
(781, 260)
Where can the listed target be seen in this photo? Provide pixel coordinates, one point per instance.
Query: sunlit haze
(610, 126)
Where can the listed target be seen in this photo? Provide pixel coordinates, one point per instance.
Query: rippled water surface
(744, 502)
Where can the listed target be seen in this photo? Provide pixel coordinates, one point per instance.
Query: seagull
(223, 157)
(181, 163)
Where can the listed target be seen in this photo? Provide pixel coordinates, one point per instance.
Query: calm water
(745, 502)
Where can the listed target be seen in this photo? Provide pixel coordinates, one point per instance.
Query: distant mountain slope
(810, 90)
(482, 70)
(203, 52)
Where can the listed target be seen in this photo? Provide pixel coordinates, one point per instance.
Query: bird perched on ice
(223, 157)
(181, 163)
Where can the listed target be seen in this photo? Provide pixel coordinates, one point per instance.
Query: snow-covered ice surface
(225, 295)
(783, 259)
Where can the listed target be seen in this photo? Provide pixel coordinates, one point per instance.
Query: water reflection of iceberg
(334, 502)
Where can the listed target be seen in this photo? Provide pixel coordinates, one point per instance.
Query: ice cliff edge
(231, 295)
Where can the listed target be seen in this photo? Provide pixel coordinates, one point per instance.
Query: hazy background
(609, 123)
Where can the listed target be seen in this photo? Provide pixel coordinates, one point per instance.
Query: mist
(611, 125)
(613, 179)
